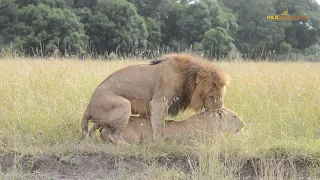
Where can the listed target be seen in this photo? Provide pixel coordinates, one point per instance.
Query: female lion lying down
(206, 123)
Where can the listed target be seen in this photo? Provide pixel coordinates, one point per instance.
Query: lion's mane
(197, 72)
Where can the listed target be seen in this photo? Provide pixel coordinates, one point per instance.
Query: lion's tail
(85, 122)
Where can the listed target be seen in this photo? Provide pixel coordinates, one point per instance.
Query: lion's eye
(211, 97)
(234, 116)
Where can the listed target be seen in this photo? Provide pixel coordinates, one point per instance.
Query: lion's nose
(221, 106)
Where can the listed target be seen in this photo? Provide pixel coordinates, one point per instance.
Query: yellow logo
(284, 16)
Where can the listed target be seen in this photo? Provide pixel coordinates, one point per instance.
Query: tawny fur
(165, 86)
(206, 123)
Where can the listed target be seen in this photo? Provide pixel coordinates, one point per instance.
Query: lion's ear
(214, 115)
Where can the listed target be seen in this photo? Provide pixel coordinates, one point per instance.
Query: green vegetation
(217, 42)
(216, 28)
(42, 105)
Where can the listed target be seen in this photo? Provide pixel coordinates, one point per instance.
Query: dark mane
(169, 121)
(184, 96)
(156, 61)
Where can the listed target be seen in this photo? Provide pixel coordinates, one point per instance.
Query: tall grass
(279, 102)
(42, 102)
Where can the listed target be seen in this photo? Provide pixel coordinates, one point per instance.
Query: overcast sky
(318, 1)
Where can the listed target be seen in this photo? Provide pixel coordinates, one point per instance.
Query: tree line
(218, 28)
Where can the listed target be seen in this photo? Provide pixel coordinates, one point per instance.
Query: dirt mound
(104, 166)
(94, 166)
(90, 166)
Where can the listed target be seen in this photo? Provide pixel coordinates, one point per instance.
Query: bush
(285, 48)
(217, 41)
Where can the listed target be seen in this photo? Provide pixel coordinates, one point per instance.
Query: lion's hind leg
(117, 111)
(84, 124)
(104, 133)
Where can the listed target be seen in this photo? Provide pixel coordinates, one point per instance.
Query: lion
(163, 87)
(206, 123)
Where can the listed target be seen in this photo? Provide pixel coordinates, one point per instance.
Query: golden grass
(42, 102)
(279, 102)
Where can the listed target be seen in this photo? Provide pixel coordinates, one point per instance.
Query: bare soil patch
(104, 166)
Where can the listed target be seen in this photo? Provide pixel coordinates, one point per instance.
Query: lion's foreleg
(158, 114)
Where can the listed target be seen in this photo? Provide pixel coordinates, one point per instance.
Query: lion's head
(204, 84)
(229, 121)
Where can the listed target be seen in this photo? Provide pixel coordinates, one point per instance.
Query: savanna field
(42, 102)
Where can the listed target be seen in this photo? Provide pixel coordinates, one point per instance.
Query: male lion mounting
(207, 123)
(165, 86)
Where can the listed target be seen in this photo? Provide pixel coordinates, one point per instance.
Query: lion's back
(132, 78)
(135, 83)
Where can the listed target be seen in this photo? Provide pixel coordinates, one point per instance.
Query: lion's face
(214, 99)
(230, 121)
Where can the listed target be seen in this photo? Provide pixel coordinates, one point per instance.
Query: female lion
(205, 123)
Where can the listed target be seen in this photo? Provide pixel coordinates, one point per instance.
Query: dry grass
(42, 102)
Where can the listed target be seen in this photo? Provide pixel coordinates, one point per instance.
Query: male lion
(207, 123)
(165, 86)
